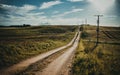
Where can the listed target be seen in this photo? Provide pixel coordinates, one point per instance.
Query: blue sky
(59, 12)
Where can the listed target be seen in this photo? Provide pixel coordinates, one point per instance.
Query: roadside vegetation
(102, 60)
(19, 43)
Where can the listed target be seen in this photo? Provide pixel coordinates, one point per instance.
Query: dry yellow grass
(103, 60)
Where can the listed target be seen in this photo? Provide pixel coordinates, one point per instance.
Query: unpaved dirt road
(55, 67)
(24, 64)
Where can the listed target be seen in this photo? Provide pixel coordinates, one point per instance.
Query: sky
(59, 12)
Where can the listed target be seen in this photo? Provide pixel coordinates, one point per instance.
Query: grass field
(19, 43)
(102, 60)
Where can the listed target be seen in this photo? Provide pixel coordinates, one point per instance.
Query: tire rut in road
(66, 69)
(40, 65)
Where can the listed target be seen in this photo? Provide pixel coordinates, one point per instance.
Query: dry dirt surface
(55, 68)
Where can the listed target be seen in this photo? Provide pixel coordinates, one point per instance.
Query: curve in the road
(24, 64)
(55, 67)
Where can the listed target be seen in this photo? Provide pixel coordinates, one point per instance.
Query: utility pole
(86, 21)
(98, 23)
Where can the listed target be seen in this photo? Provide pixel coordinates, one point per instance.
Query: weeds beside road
(103, 60)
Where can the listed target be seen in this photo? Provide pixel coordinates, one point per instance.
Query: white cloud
(8, 7)
(109, 17)
(11, 9)
(26, 15)
(74, 0)
(24, 10)
(46, 5)
(68, 12)
(28, 7)
(55, 12)
(21, 15)
(102, 5)
(19, 20)
(64, 21)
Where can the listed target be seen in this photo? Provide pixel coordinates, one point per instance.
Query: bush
(84, 34)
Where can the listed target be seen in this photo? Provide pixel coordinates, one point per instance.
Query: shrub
(84, 34)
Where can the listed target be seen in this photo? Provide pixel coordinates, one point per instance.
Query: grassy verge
(103, 60)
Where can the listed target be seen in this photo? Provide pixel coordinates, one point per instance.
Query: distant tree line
(24, 25)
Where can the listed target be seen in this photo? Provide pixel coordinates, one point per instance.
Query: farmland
(102, 59)
(107, 34)
(113, 35)
(20, 43)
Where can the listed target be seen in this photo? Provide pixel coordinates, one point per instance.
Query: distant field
(19, 43)
(101, 60)
(106, 33)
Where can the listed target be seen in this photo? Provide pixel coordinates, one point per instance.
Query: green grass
(17, 44)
